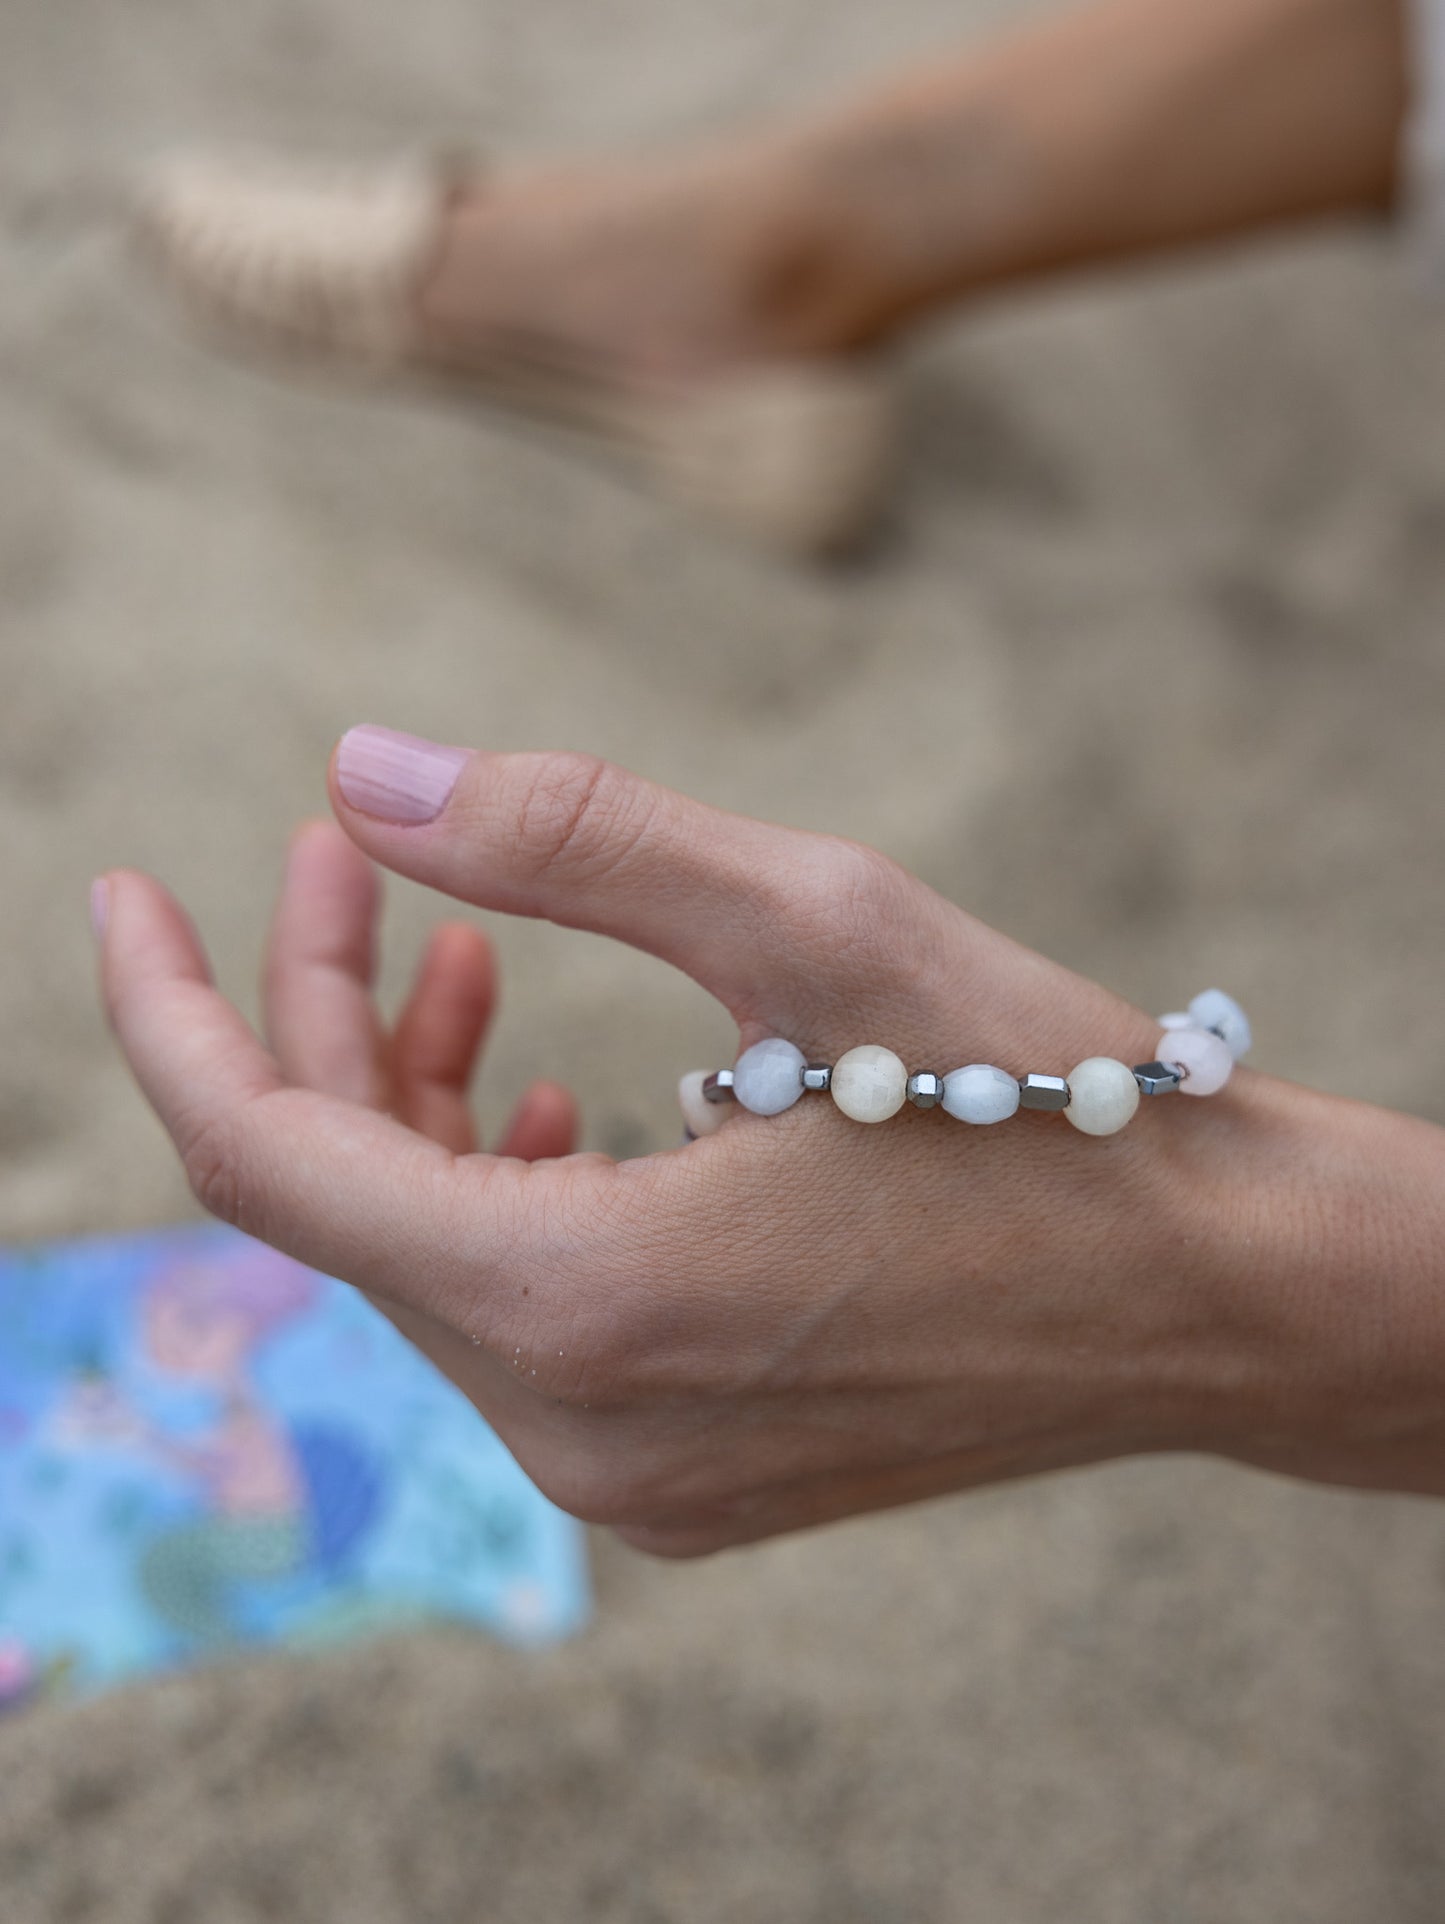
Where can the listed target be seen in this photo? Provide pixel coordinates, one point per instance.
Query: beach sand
(1146, 669)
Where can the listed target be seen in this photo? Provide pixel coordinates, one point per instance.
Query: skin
(1100, 132)
(799, 1318)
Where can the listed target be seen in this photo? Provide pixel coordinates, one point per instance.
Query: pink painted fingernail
(99, 907)
(396, 778)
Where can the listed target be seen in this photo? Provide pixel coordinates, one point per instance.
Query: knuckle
(607, 1340)
(211, 1159)
(484, 1291)
(594, 1326)
(865, 879)
(610, 1472)
(581, 1360)
(589, 1487)
(673, 1543)
(574, 814)
(855, 899)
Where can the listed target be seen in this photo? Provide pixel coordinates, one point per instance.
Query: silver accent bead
(925, 1090)
(718, 1087)
(1157, 1078)
(818, 1075)
(1043, 1092)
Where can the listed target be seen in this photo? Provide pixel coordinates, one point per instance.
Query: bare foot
(649, 271)
(576, 293)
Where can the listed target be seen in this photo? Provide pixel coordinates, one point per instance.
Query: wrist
(1316, 1229)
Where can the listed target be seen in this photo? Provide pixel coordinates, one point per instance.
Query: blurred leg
(1114, 129)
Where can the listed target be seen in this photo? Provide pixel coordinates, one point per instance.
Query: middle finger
(320, 956)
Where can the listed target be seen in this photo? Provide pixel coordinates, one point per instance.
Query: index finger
(339, 1187)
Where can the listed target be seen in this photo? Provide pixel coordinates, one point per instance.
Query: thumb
(744, 908)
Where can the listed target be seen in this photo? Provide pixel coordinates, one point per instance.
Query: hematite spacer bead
(1157, 1078)
(818, 1075)
(719, 1086)
(1043, 1092)
(925, 1090)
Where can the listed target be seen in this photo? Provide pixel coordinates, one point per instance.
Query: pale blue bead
(768, 1078)
(1213, 1009)
(980, 1093)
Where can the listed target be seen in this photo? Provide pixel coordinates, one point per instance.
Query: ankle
(807, 278)
(896, 205)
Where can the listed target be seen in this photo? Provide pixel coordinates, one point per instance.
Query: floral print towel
(205, 1447)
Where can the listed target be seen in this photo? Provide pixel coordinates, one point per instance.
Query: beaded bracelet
(1198, 1050)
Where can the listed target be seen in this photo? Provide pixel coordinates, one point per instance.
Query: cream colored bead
(702, 1117)
(1103, 1095)
(870, 1083)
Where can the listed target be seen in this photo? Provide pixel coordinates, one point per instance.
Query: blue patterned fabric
(205, 1447)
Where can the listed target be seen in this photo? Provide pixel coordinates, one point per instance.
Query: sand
(1146, 669)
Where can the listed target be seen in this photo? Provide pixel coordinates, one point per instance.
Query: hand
(800, 1317)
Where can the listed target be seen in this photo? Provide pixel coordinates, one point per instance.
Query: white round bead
(870, 1083)
(1180, 1019)
(980, 1093)
(1213, 1009)
(1103, 1095)
(702, 1117)
(1204, 1056)
(768, 1078)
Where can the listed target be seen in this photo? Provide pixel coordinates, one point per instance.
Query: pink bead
(1206, 1057)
